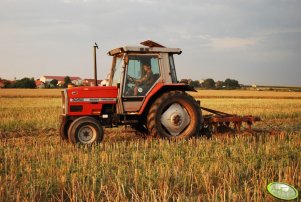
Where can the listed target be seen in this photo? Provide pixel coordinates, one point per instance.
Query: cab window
(141, 74)
(117, 71)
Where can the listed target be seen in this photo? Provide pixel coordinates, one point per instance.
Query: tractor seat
(155, 77)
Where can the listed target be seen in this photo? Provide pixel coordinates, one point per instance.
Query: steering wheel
(131, 79)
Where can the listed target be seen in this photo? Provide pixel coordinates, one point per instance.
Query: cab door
(134, 92)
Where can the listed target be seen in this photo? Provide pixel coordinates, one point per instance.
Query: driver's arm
(145, 78)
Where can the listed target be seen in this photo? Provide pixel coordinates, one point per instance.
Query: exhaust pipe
(95, 65)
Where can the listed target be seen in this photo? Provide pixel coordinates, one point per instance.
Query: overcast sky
(254, 41)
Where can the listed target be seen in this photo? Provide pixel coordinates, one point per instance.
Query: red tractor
(143, 92)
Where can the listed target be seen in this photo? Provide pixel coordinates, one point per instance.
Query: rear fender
(158, 90)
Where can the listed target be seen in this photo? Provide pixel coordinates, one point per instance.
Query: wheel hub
(86, 134)
(175, 119)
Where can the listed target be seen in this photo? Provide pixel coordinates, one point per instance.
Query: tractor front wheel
(85, 130)
(174, 115)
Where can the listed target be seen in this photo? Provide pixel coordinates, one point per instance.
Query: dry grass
(244, 94)
(25, 115)
(200, 94)
(266, 108)
(230, 169)
(39, 167)
(29, 114)
(22, 93)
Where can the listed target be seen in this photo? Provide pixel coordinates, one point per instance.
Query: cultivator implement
(221, 122)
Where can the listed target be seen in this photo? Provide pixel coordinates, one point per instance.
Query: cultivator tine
(238, 126)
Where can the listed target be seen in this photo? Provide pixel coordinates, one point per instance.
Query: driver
(145, 81)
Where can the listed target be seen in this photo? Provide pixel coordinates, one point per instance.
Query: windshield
(141, 74)
(117, 71)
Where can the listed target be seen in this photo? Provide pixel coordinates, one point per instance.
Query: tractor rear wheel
(174, 115)
(63, 130)
(140, 130)
(85, 130)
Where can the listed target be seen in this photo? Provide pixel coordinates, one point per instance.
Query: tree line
(22, 83)
(206, 84)
(211, 84)
(31, 83)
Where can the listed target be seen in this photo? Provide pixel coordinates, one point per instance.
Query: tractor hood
(92, 94)
(86, 101)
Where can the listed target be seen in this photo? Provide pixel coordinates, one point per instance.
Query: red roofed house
(1, 83)
(39, 83)
(74, 79)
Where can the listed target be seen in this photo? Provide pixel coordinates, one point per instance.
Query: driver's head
(146, 67)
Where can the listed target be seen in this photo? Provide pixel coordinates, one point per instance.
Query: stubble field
(36, 166)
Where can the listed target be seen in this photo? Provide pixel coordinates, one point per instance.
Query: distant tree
(67, 81)
(219, 84)
(184, 81)
(209, 83)
(47, 85)
(195, 84)
(231, 84)
(53, 83)
(25, 83)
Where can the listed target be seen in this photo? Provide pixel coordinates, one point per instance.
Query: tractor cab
(137, 70)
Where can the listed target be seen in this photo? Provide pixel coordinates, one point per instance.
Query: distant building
(5, 83)
(104, 82)
(1, 83)
(74, 79)
(90, 82)
(39, 83)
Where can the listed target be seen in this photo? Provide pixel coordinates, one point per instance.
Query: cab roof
(149, 47)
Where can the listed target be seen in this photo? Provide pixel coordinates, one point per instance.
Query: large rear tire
(174, 115)
(63, 130)
(85, 130)
(140, 130)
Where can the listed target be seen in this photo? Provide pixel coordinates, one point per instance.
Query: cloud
(74, 1)
(142, 1)
(232, 42)
(220, 43)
